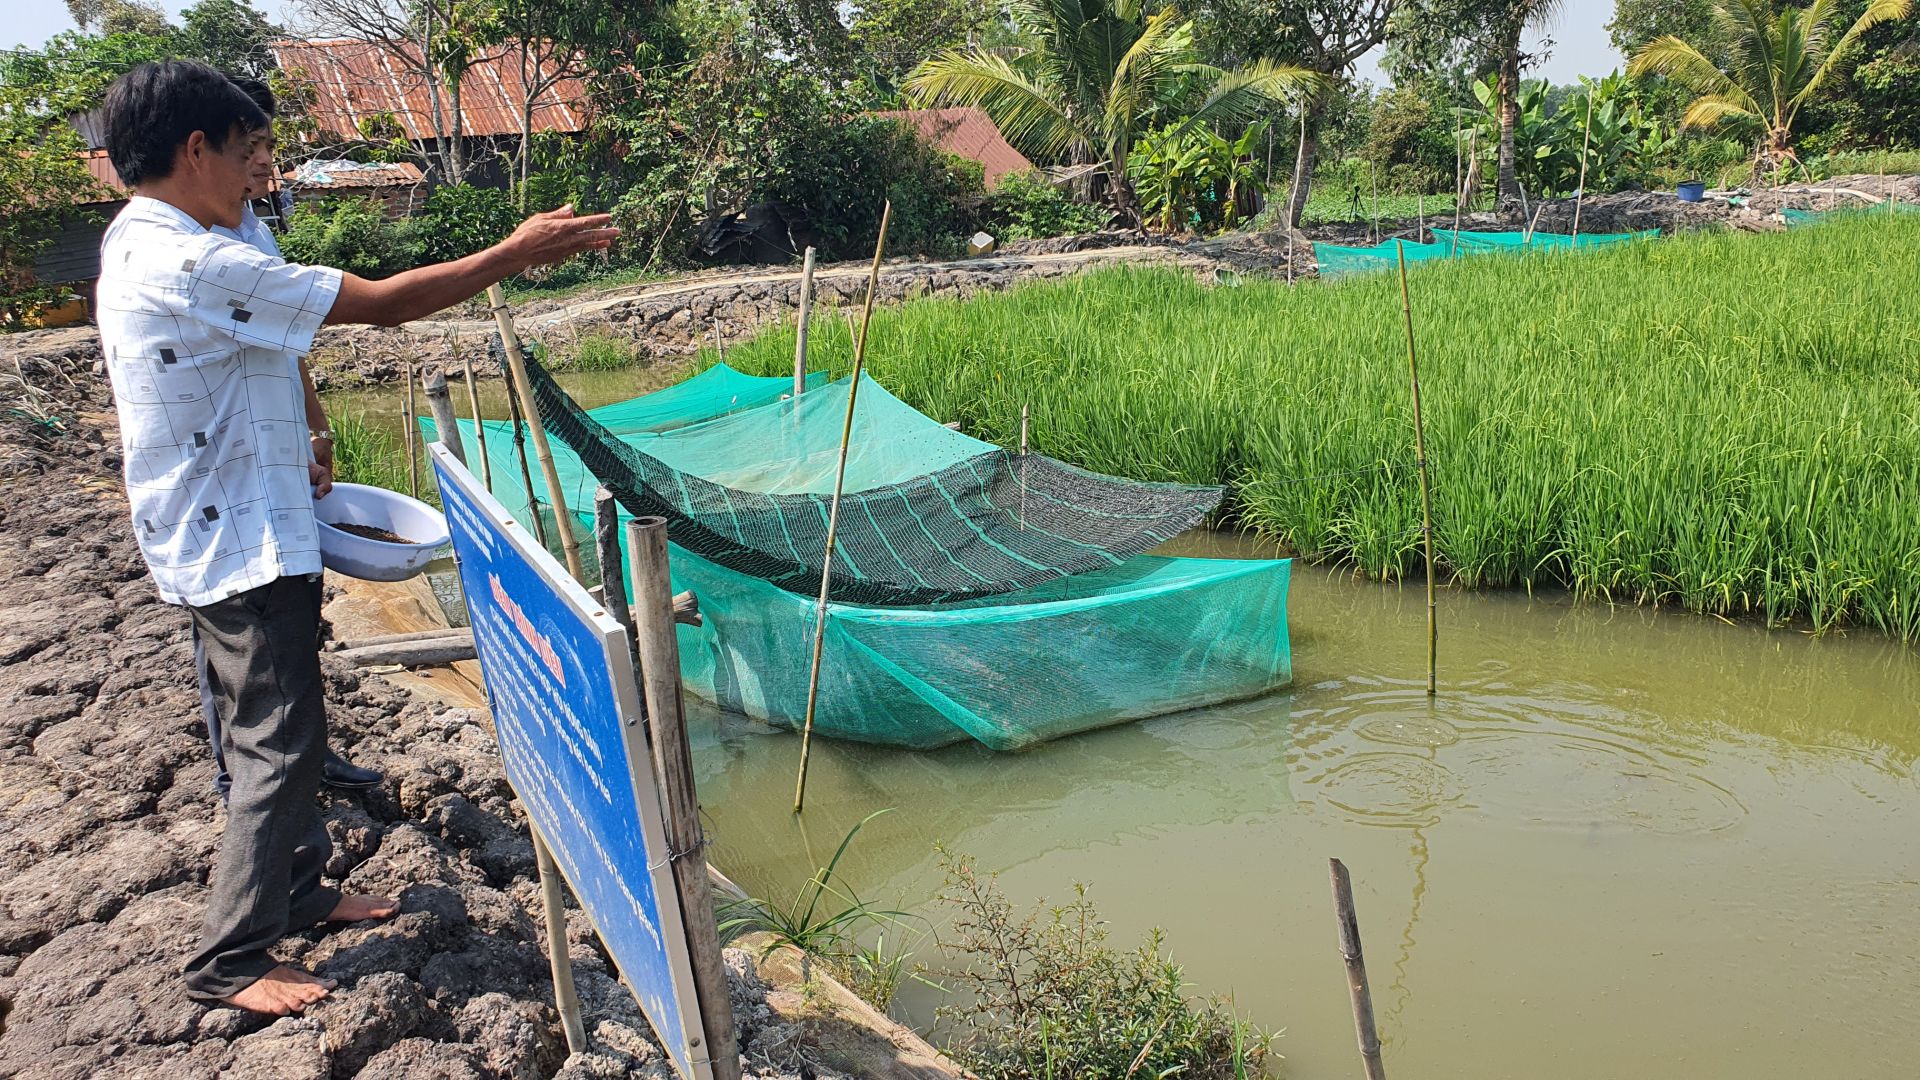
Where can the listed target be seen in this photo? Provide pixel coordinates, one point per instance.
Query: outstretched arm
(541, 239)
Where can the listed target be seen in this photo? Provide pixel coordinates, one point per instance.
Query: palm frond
(1240, 96)
(1878, 11)
(1712, 111)
(1025, 110)
(1688, 66)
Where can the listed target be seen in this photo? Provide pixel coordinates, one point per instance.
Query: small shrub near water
(365, 455)
(1048, 997)
(600, 352)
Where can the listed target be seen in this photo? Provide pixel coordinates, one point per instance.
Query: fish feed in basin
(375, 534)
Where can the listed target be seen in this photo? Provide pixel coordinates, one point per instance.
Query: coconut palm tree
(1099, 74)
(1775, 64)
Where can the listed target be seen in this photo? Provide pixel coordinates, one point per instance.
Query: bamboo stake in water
(520, 451)
(479, 424)
(1350, 954)
(1426, 487)
(408, 414)
(1580, 194)
(806, 316)
(1023, 467)
(833, 508)
(569, 545)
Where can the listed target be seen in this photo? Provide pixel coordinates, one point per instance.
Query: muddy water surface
(1618, 844)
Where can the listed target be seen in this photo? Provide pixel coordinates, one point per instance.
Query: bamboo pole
(409, 435)
(1357, 991)
(1426, 487)
(1420, 230)
(1373, 177)
(564, 995)
(479, 424)
(806, 316)
(833, 508)
(719, 346)
(1580, 194)
(517, 360)
(659, 652)
(520, 451)
(1459, 184)
(613, 586)
(1023, 466)
(440, 403)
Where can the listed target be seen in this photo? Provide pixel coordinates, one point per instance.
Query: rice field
(1728, 422)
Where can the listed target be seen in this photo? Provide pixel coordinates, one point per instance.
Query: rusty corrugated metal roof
(354, 81)
(968, 132)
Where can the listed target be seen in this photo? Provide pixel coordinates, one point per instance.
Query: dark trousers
(263, 670)
(222, 780)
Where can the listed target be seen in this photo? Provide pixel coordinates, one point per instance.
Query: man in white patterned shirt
(201, 333)
(335, 771)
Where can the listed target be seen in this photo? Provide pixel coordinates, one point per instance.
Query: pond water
(1618, 843)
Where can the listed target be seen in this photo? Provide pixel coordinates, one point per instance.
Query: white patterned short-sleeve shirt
(201, 334)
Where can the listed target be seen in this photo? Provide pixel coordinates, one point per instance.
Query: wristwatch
(322, 433)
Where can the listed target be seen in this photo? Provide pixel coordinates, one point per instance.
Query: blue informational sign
(566, 712)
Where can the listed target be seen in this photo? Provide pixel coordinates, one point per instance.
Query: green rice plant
(363, 454)
(820, 918)
(1724, 422)
(600, 352)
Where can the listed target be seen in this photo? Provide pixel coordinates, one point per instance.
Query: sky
(1579, 35)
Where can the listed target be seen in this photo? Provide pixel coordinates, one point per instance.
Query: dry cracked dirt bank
(108, 826)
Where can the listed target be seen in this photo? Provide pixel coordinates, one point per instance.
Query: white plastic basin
(377, 560)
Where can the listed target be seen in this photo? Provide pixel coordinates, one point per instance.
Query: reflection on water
(1617, 844)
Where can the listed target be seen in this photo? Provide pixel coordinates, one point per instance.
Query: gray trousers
(263, 665)
(210, 712)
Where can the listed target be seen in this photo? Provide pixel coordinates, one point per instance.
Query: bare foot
(281, 992)
(356, 907)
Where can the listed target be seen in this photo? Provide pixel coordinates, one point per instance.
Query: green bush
(1047, 997)
(601, 352)
(1024, 206)
(461, 219)
(352, 235)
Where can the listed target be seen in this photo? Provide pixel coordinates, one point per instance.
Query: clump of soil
(371, 532)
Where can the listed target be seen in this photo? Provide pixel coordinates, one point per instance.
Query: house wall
(74, 255)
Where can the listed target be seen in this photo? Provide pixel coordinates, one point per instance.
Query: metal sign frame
(483, 521)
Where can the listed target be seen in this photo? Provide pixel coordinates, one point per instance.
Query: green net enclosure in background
(1144, 637)
(1336, 261)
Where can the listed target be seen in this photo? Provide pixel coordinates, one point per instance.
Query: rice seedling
(1727, 422)
(363, 454)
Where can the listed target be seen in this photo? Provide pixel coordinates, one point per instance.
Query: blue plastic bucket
(1691, 190)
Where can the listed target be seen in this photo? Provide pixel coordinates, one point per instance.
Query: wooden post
(440, 403)
(1580, 195)
(410, 435)
(613, 590)
(520, 451)
(719, 346)
(1459, 185)
(564, 994)
(1420, 231)
(1426, 487)
(524, 387)
(1023, 466)
(1356, 972)
(806, 316)
(659, 650)
(1373, 178)
(479, 424)
(833, 508)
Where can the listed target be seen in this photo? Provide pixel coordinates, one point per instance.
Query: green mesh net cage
(1336, 261)
(1142, 636)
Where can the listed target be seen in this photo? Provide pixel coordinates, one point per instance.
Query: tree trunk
(457, 163)
(526, 122)
(1303, 160)
(1507, 184)
(431, 72)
